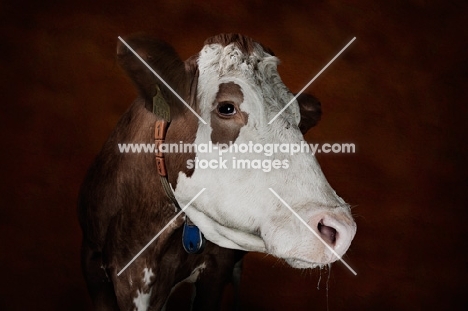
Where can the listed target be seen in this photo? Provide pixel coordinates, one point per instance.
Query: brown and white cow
(233, 84)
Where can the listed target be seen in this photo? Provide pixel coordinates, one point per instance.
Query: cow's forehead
(245, 44)
(232, 60)
(254, 69)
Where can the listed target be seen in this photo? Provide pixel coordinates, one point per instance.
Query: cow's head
(234, 85)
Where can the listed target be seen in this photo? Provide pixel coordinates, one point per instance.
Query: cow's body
(122, 204)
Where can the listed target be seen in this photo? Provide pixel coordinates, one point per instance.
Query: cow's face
(234, 85)
(239, 92)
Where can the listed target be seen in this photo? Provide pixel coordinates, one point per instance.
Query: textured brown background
(398, 93)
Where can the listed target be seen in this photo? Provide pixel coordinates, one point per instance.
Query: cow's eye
(226, 109)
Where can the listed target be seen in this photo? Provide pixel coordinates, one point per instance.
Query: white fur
(237, 210)
(148, 274)
(142, 300)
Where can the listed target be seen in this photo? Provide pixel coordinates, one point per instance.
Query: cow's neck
(192, 238)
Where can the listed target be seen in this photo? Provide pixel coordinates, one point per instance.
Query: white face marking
(142, 301)
(237, 210)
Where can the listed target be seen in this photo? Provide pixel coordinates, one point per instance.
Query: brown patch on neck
(226, 129)
(245, 44)
(184, 126)
(182, 129)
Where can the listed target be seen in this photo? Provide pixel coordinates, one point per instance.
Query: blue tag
(193, 240)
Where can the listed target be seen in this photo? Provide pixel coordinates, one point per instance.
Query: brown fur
(310, 107)
(226, 129)
(163, 59)
(311, 111)
(122, 205)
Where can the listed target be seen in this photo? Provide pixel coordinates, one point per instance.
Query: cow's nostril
(327, 233)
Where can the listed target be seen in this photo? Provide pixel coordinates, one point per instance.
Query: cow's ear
(311, 111)
(163, 60)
